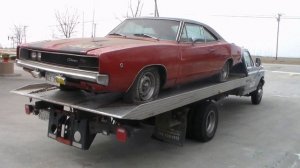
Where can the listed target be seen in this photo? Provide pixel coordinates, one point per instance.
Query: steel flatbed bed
(111, 105)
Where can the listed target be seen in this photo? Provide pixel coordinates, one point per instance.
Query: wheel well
(162, 74)
(161, 71)
(262, 80)
(230, 62)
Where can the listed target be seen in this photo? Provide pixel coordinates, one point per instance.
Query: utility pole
(278, 24)
(94, 35)
(25, 33)
(83, 24)
(12, 41)
(156, 14)
(93, 22)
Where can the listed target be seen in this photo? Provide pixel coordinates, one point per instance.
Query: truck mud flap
(171, 127)
(69, 130)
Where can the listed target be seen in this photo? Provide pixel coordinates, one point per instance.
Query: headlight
(39, 56)
(33, 55)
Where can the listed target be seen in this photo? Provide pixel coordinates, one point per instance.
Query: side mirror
(257, 62)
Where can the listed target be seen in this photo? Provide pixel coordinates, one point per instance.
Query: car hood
(85, 45)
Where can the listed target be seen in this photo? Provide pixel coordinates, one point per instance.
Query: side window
(192, 32)
(208, 36)
(248, 60)
(184, 37)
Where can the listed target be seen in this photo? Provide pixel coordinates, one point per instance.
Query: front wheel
(145, 88)
(256, 96)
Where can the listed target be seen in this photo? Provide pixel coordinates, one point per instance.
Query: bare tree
(67, 21)
(18, 34)
(137, 10)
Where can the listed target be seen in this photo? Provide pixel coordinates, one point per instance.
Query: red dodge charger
(139, 57)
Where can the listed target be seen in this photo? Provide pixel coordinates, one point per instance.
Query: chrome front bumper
(90, 76)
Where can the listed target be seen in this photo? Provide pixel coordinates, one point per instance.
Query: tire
(189, 125)
(224, 73)
(205, 121)
(145, 88)
(256, 96)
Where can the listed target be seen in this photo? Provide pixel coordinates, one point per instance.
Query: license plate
(44, 115)
(55, 79)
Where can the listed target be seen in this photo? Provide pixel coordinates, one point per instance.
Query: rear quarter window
(209, 37)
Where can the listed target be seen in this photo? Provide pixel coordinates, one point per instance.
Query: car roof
(182, 20)
(168, 18)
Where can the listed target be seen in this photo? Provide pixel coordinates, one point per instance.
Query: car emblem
(72, 60)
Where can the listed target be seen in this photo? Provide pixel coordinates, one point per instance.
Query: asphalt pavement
(265, 135)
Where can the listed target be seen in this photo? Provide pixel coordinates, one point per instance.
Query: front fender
(123, 66)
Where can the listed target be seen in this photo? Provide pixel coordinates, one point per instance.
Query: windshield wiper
(117, 34)
(145, 35)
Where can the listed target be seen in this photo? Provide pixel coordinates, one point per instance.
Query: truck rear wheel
(204, 121)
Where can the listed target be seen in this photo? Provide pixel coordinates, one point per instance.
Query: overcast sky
(258, 35)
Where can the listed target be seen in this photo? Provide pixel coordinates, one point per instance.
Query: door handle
(212, 50)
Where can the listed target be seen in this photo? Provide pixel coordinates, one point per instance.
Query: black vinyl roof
(185, 21)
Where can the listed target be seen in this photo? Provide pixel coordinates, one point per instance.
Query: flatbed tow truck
(75, 117)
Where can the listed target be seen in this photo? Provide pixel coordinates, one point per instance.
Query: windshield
(149, 28)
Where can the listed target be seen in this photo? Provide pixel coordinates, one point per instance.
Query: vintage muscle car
(138, 58)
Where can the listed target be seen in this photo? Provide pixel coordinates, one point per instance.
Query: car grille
(63, 59)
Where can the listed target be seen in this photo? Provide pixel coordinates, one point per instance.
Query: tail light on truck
(29, 109)
(121, 134)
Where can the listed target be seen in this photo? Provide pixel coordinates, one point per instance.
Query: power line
(261, 16)
(247, 16)
(291, 17)
(278, 18)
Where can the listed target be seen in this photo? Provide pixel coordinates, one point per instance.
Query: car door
(196, 55)
(220, 51)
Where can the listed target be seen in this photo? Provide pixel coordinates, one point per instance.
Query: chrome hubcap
(225, 71)
(146, 86)
(210, 122)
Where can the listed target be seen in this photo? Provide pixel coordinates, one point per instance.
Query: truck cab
(255, 72)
